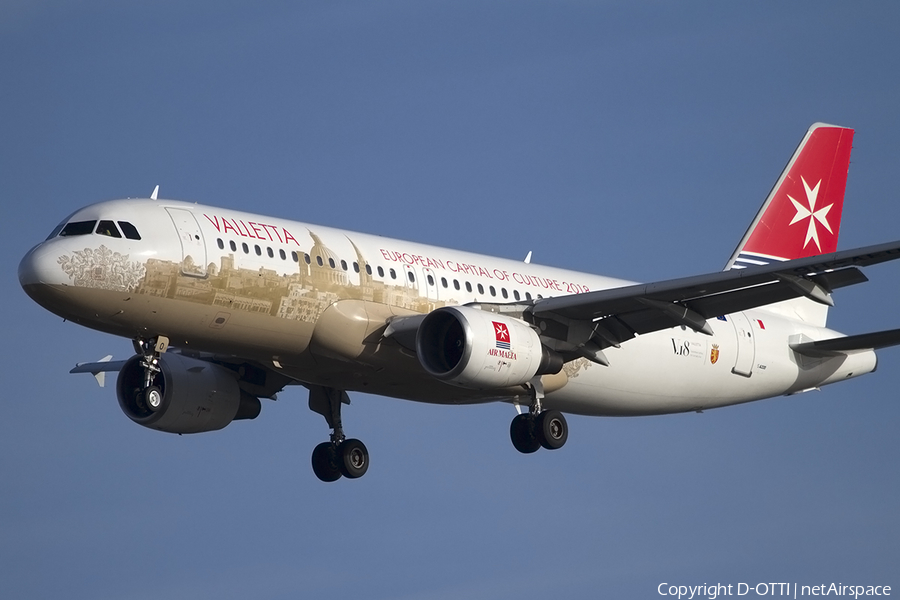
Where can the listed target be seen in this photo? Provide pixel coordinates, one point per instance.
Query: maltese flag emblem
(502, 334)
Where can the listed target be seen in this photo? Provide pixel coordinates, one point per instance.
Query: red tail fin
(802, 214)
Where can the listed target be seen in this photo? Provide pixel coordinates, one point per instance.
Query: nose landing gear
(340, 456)
(149, 397)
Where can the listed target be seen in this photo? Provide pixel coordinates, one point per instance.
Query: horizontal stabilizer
(843, 345)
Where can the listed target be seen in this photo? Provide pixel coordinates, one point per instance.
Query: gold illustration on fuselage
(102, 268)
(302, 295)
(574, 367)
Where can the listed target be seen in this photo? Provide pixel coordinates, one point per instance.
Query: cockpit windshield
(129, 230)
(78, 228)
(107, 228)
(56, 230)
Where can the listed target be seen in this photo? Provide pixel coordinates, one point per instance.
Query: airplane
(226, 308)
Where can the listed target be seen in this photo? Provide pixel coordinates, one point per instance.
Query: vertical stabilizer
(802, 215)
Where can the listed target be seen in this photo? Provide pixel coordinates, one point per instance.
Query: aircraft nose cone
(38, 270)
(32, 269)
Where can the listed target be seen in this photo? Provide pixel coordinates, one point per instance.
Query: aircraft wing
(255, 378)
(616, 315)
(100, 368)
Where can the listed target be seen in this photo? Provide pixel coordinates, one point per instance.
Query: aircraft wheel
(153, 398)
(148, 400)
(354, 458)
(552, 429)
(524, 434)
(325, 462)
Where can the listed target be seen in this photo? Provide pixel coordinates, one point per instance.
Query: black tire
(353, 458)
(142, 401)
(325, 462)
(152, 398)
(552, 429)
(524, 435)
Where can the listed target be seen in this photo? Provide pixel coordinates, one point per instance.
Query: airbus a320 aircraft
(253, 304)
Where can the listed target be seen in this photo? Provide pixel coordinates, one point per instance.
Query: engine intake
(189, 395)
(475, 349)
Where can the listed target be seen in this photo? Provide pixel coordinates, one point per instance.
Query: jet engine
(479, 350)
(186, 395)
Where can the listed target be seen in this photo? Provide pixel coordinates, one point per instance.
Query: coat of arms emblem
(714, 354)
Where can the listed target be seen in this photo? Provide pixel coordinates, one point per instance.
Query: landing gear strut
(148, 398)
(548, 428)
(340, 456)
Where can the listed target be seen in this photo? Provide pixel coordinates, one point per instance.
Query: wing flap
(745, 298)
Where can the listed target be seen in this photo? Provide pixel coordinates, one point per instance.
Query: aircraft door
(430, 283)
(411, 280)
(746, 345)
(193, 248)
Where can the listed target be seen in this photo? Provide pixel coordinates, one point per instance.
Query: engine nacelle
(479, 350)
(193, 395)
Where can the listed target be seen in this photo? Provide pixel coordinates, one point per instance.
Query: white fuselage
(221, 281)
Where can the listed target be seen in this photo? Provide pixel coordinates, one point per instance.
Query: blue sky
(629, 139)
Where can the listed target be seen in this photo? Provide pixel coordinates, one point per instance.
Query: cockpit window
(78, 228)
(131, 231)
(108, 228)
(56, 230)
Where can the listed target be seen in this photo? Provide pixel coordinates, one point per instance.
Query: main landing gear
(548, 428)
(340, 456)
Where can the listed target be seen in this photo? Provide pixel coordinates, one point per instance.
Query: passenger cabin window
(393, 274)
(282, 254)
(233, 246)
(344, 264)
(456, 283)
(468, 287)
(220, 243)
(480, 289)
(245, 248)
(269, 252)
(516, 295)
(130, 230)
(368, 269)
(108, 228)
(319, 261)
(331, 262)
(356, 266)
(412, 278)
(258, 250)
(78, 228)
(381, 271)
